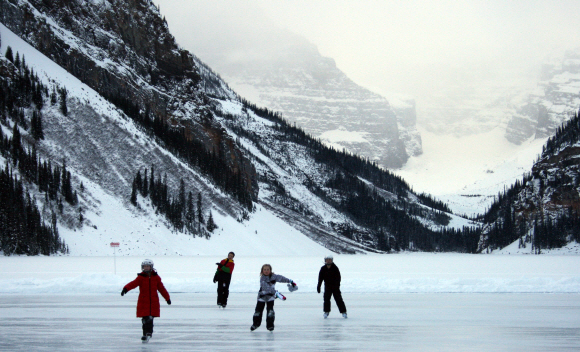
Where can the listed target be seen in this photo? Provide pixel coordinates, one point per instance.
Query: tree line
(211, 163)
(566, 134)
(180, 210)
(391, 224)
(22, 227)
(543, 230)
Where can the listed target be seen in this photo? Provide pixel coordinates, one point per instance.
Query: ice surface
(377, 322)
(401, 302)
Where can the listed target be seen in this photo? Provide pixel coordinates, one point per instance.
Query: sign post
(115, 245)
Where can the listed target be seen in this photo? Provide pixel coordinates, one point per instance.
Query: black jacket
(330, 276)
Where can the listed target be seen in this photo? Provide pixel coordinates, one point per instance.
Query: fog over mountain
(470, 69)
(283, 71)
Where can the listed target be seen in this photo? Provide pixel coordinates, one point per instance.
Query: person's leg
(338, 299)
(219, 292)
(147, 325)
(327, 294)
(258, 314)
(225, 292)
(270, 316)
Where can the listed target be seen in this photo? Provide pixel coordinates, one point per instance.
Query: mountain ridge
(280, 166)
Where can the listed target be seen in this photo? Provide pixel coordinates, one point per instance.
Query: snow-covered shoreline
(396, 273)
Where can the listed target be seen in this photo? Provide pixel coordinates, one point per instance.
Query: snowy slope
(469, 178)
(111, 218)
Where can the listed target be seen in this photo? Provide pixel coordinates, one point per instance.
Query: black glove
(124, 291)
(219, 264)
(169, 301)
(318, 289)
(214, 280)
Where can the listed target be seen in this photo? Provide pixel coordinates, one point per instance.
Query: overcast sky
(407, 47)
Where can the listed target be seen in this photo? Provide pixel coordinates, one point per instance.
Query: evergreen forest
(23, 229)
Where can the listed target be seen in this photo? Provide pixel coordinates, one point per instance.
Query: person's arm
(131, 285)
(280, 278)
(228, 267)
(161, 288)
(320, 279)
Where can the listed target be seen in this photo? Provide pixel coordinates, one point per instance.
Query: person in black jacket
(330, 274)
(223, 276)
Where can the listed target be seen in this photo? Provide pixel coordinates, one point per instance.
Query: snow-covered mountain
(289, 75)
(555, 101)
(541, 211)
(478, 140)
(135, 101)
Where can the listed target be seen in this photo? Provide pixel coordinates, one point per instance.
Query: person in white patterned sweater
(267, 295)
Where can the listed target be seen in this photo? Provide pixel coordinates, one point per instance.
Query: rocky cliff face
(555, 184)
(124, 51)
(555, 102)
(406, 112)
(310, 90)
(542, 209)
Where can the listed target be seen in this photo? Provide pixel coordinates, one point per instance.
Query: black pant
(329, 292)
(223, 291)
(147, 325)
(270, 316)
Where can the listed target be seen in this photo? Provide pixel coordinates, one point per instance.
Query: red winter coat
(148, 302)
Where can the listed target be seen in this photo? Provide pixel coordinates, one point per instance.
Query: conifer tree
(36, 126)
(190, 214)
(200, 218)
(53, 96)
(16, 144)
(134, 194)
(211, 225)
(17, 61)
(138, 182)
(63, 106)
(9, 55)
(145, 191)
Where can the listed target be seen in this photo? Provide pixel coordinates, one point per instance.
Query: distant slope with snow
(301, 185)
(110, 218)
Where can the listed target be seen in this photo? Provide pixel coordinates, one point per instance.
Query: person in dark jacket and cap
(330, 274)
(223, 276)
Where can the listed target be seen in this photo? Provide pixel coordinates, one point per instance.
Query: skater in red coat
(149, 282)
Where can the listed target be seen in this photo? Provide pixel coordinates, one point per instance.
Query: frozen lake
(402, 302)
(377, 322)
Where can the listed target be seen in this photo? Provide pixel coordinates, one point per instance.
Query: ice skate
(344, 315)
(145, 338)
(325, 315)
(253, 327)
